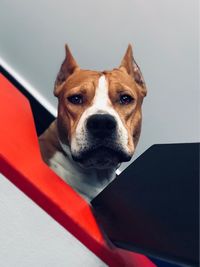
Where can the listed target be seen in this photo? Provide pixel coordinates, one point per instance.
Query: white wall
(165, 39)
(29, 237)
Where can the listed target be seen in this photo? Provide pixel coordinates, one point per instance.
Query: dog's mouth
(101, 157)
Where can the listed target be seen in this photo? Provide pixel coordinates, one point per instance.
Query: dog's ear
(130, 66)
(68, 66)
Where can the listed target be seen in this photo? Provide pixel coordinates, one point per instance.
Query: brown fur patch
(81, 81)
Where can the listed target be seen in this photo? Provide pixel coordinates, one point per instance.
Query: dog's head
(99, 113)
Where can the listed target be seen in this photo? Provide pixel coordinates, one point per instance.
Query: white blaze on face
(101, 101)
(101, 105)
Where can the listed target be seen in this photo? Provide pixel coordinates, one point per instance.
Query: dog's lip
(113, 151)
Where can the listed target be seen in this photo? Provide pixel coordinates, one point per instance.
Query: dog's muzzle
(103, 149)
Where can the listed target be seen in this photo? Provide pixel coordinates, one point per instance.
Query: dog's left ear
(67, 68)
(130, 66)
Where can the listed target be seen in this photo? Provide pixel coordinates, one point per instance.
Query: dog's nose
(101, 125)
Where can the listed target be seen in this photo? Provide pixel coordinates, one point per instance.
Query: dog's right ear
(68, 66)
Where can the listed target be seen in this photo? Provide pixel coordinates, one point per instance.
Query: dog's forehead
(80, 77)
(113, 77)
(118, 77)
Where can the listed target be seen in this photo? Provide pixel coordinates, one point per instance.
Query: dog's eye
(125, 99)
(76, 99)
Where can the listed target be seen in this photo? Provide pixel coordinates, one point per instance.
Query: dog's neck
(87, 182)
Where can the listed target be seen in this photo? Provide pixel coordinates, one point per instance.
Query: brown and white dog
(98, 123)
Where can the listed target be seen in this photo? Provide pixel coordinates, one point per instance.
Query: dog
(98, 123)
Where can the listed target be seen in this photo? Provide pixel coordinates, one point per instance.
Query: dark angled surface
(152, 207)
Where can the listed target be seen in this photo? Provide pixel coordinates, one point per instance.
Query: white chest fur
(87, 182)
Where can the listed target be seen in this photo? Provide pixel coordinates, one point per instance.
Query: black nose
(101, 125)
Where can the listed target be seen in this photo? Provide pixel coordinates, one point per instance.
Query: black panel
(42, 116)
(152, 207)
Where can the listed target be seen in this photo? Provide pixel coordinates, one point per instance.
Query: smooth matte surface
(51, 246)
(152, 207)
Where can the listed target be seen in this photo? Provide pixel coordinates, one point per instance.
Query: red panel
(21, 163)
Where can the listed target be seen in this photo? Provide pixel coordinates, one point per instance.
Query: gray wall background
(164, 35)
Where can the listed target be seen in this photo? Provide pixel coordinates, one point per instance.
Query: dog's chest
(87, 182)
